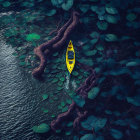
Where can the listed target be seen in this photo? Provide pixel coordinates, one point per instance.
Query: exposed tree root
(76, 123)
(82, 91)
(55, 43)
(55, 124)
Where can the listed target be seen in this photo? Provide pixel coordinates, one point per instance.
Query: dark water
(20, 100)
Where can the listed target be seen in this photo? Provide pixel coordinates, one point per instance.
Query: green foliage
(116, 134)
(32, 37)
(60, 83)
(111, 37)
(80, 101)
(88, 137)
(42, 128)
(6, 4)
(69, 101)
(22, 57)
(65, 5)
(93, 93)
(93, 41)
(45, 110)
(131, 17)
(94, 8)
(11, 32)
(111, 19)
(121, 3)
(68, 133)
(94, 122)
(100, 11)
(95, 35)
(134, 100)
(45, 96)
(86, 61)
(131, 64)
(99, 47)
(70, 124)
(65, 109)
(100, 138)
(84, 7)
(55, 80)
(90, 53)
(22, 63)
(75, 73)
(120, 122)
(111, 10)
(102, 25)
(51, 12)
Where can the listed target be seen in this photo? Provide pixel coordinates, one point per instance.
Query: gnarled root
(55, 43)
(55, 124)
(76, 123)
(82, 91)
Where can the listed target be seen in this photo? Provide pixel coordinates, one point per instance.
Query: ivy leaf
(90, 53)
(79, 100)
(131, 17)
(93, 122)
(111, 37)
(111, 10)
(100, 138)
(57, 3)
(120, 122)
(84, 8)
(45, 96)
(111, 19)
(116, 134)
(102, 25)
(88, 137)
(51, 12)
(93, 93)
(134, 100)
(94, 8)
(42, 128)
(6, 4)
(66, 6)
(32, 37)
(131, 64)
(95, 35)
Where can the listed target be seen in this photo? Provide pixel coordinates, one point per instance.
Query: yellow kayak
(70, 57)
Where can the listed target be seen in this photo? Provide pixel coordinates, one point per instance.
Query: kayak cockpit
(70, 55)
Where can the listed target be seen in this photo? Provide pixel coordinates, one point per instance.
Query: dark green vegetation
(107, 40)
